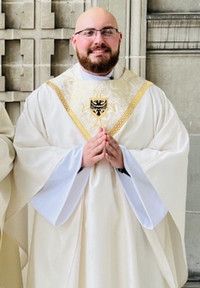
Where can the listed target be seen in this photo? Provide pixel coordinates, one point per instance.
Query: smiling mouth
(99, 50)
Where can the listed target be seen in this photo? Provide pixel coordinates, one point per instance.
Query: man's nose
(98, 37)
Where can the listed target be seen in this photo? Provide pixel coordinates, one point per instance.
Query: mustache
(102, 46)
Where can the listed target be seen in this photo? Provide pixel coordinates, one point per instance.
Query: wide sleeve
(57, 200)
(143, 198)
(165, 159)
(36, 157)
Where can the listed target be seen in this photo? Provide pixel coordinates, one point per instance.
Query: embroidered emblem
(98, 106)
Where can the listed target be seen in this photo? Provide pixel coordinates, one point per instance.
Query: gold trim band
(71, 113)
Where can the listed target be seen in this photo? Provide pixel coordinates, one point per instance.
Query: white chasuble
(104, 241)
(9, 252)
(6, 162)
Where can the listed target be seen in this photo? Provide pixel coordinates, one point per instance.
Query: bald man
(102, 166)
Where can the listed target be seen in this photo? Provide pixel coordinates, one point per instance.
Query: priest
(101, 168)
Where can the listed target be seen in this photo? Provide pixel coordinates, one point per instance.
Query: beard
(104, 63)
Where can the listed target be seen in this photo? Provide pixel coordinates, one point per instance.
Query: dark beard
(105, 65)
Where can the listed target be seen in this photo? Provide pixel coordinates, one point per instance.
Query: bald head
(95, 17)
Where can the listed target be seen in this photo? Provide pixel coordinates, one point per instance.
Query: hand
(94, 150)
(113, 153)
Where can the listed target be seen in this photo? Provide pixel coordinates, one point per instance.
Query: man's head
(97, 49)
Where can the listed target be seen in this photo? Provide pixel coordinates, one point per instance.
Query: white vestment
(6, 162)
(9, 262)
(98, 227)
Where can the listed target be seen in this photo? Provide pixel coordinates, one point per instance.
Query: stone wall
(173, 63)
(34, 46)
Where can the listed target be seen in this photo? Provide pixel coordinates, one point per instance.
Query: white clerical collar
(87, 76)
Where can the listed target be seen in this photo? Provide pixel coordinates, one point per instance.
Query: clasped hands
(102, 146)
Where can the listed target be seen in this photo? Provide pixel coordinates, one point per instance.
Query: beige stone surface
(173, 63)
(177, 74)
(173, 6)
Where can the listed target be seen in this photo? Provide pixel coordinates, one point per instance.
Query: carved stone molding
(2, 78)
(47, 50)
(2, 17)
(17, 14)
(173, 31)
(137, 36)
(27, 50)
(47, 17)
(28, 15)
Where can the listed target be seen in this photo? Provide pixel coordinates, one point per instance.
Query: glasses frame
(97, 30)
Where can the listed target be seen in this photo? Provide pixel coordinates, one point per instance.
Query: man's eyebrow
(109, 27)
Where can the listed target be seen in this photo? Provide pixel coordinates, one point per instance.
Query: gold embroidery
(130, 109)
(71, 113)
(123, 96)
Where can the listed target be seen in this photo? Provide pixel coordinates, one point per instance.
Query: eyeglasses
(105, 32)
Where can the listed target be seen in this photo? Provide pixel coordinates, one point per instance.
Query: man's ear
(73, 41)
(120, 37)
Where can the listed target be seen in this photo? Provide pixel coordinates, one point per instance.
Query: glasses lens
(107, 32)
(89, 32)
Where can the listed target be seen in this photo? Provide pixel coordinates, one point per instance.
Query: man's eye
(89, 33)
(107, 32)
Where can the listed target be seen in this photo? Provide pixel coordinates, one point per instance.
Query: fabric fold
(144, 200)
(57, 200)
